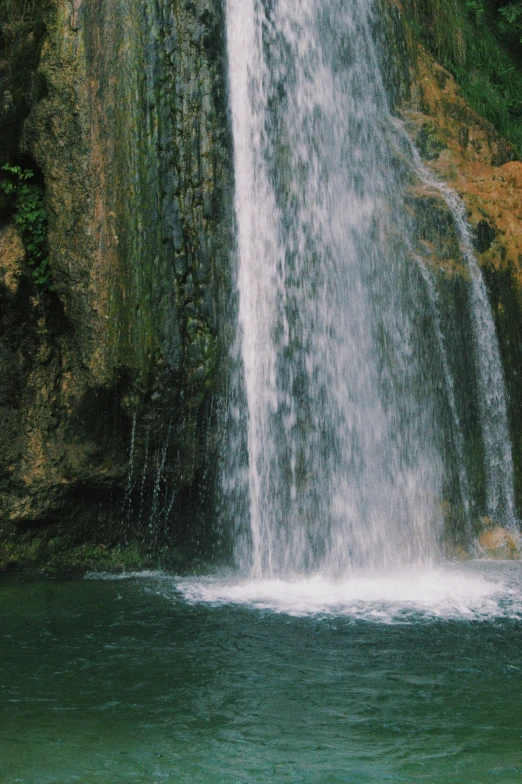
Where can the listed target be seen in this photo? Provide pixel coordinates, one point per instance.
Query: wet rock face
(132, 140)
(15, 348)
(108, 382)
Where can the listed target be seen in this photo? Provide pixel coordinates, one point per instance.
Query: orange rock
(457, 553)
(465, 150)
(493, 540)
(498, 543)
(11, 258)
(514, 171)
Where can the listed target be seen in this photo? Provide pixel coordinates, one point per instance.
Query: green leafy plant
(30, 218)
(511, 22)
(475, 8)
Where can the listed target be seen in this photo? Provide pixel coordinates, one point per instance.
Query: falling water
(500, 503)
(342, 467)
(458, 435)
(343, 471)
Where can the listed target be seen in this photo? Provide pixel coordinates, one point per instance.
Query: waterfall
(500, 502)
(458, 436)
(339, 458)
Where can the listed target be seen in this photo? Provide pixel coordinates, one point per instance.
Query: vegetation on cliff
(28, 205)
(480, 43)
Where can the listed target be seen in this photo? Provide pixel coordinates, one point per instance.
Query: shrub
(30, 217)
(511, 24)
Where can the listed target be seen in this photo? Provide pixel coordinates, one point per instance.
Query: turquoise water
(157, 679)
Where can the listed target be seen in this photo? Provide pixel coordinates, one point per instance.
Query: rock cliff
(106, 400)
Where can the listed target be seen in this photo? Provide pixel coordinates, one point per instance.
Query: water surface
(151, 679)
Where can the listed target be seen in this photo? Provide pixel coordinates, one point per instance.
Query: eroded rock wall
(107, 392)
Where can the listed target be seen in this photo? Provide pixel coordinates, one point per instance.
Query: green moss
(428, 142)
(471, 38)
(57, 555)
(61, 551)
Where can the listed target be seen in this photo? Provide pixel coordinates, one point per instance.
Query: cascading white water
(500, 502)
(343, 472)
(458, 436)
(342, 466)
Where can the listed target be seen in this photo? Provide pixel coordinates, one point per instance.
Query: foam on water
(142, 575)
(480, 591)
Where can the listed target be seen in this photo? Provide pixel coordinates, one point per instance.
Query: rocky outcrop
(22, 30)
(106, 397)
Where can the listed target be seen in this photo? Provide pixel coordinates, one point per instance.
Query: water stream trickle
(492, 397)
(449, 382)
(500, 502)
(342, 467)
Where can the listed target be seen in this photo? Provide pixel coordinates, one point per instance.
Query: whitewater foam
(447, 593)
(142, 575)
